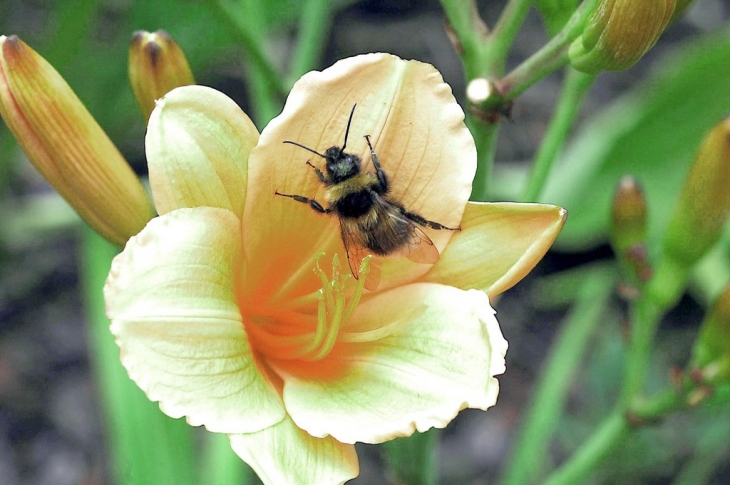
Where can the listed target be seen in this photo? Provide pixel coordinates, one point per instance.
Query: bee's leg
(305, 200)
(418, 219)
(382, 178)
(321, 176)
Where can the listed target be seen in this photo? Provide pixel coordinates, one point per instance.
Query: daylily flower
(227, 313)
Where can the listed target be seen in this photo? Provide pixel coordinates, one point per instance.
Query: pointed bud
(628, 228)
(628, 215)
(618, 33)
(711, 353)
(157, 65)
(67, 146)
(704, 202)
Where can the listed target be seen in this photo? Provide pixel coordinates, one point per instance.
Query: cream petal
(198, 142)
(498, 245)
(284, 454)
(419, 377)
(418, 133)
(170, 298)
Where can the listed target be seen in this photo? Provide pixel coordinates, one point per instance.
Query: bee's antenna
(347, 131)
(306, 148)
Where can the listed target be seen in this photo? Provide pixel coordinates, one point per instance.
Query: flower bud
(628, 228)
(64, 142)
(711, 353)
(157, 65)
(618, 33)
(704, 202)
(628, 215)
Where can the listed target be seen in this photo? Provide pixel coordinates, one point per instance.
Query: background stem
(314, 27)
(549, 58)
(559, 371)
(575, 87)
(592, 452)
(246, 23)
(485, 137)
(413, 460)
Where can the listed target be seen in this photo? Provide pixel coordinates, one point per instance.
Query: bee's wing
(417, 246)
(420, 248)
(356, 253)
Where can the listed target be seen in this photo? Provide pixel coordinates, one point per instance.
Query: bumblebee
(371, 221)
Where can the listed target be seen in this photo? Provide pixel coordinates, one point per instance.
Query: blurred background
(52, 430)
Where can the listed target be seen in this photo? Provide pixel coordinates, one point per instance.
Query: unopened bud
(67, 146)
(628, 215)
(704, 202)
(711, 353)
(628, 228)
(157, 65)
(619, 33)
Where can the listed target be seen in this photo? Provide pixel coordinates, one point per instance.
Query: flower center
(333, 311)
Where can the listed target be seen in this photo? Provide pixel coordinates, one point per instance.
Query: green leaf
(555, 13)
(652, 133)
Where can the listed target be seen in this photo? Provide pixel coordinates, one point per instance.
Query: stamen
(325, 282)
(335, 309)
(380, 332)
(359, 287)
(334, 327)
(333, 312)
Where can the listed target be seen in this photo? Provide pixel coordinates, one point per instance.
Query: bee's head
(340, 165)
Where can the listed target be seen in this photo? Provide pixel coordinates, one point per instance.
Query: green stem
(220, 464)
(559, 370)
(660, 293)
(485, 137)
(247, 27)
(657, 406)
(608, 435)
(709, 453)
(413, 459)
(265, 100)
(145, 445)
(646, 316)
(549, 58)
(575, 87)
(503, 35)
(313, 28)
(470, 31)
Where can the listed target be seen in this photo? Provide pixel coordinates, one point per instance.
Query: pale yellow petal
(442, 361)
(284, 454)
(418, 133)
(198, 142)
(498, 245)
(170, 298)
